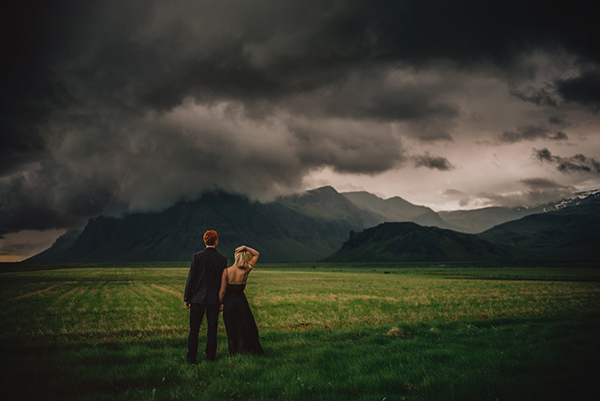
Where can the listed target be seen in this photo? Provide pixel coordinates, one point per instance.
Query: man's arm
(189, 285)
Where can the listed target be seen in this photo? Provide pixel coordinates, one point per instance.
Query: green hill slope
(409, 242)
(572, 233)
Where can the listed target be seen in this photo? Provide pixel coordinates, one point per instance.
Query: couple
(212, 287)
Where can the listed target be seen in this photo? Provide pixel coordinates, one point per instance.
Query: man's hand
(188, 305)
(221, 307)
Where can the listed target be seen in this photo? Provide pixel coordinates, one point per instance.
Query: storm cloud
(584, 89)
(434, 162)
(572, 164)
(531, 133)
(113, 106)
(538, 191)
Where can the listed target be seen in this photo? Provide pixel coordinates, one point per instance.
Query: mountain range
(312, 226)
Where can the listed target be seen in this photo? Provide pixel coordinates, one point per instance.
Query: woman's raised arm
(253, 252)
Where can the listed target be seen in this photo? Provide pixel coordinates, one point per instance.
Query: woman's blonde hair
(243, 260)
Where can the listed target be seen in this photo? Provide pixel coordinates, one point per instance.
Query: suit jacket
(204, 279)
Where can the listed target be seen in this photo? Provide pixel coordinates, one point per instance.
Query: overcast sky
(116, 106)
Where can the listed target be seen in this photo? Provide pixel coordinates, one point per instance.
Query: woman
(242, 333)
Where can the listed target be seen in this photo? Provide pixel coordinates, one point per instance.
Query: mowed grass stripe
(17, 289)
(176, 293)
(295, 300)
(29, 294)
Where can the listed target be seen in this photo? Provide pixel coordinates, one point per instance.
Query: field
(369, 333)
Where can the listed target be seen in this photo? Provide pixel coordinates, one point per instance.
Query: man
(202, 294)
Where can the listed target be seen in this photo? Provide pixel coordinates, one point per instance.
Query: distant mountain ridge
(479, 220)
(396, 209)
(570, 234)
(306, 226)
(302, 227)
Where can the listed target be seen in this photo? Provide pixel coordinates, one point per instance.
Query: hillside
(572, 233)
(280, 232)
(409, 242)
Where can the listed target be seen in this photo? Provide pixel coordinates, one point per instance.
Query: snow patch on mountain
(580, 198)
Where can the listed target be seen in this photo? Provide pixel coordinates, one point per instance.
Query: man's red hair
(211, 237)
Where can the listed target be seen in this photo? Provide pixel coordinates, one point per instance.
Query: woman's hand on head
(240, 248)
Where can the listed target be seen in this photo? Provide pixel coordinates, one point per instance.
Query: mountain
(480, 220)
(410, 242)
(571, 233)
(302, 227)
(396, 209)
(327, 204)
(580, 198)
(315, 224)
(62, 244)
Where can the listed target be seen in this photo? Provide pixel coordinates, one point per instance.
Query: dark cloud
(543, 184)
(31, 92)
(433, 162)
(53, 196)
(559, 121)
(540, 96)
(389, 96)
(539, 191)
(530, 133)
(125, 105)
(454, 194)
(559, 136)
(572, 164)
(584, 89)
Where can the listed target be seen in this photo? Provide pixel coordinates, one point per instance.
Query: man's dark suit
(202, 292)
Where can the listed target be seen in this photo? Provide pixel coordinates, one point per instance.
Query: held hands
(189, 305)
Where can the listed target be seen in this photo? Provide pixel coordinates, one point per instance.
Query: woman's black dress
(242, 333)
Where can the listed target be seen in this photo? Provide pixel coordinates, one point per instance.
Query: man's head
(211, 238)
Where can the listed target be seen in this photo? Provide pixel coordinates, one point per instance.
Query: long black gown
(242, 333)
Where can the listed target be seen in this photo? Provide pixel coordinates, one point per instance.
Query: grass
(363, 333)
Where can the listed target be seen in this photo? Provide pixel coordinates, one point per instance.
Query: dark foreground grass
(504, 359)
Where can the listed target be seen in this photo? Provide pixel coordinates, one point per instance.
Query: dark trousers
(212, 320)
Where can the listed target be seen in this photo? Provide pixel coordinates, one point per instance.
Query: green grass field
(331, 333)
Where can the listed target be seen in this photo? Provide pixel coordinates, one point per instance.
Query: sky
(111, 107)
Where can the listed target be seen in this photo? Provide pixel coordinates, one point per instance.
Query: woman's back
(236, 275)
